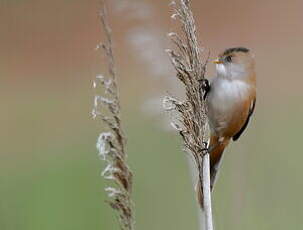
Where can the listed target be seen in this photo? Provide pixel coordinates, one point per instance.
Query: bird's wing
(251, 110)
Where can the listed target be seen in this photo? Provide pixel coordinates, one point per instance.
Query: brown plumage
(230, 103)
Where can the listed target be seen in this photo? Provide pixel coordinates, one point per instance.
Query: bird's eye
(228, 58)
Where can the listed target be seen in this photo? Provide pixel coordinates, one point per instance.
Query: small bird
(230, 98)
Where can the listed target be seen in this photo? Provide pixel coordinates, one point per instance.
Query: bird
(230, 99)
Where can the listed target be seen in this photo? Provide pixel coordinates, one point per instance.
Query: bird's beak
(217, 61)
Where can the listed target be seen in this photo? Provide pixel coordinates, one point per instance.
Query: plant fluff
(191, 121)
(111, 144)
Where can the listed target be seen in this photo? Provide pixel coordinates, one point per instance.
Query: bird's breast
(228, 104)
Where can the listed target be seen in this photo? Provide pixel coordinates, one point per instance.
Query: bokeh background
(49, 168)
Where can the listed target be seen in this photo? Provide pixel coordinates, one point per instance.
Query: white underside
(225, 97)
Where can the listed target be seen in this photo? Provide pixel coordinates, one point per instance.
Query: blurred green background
(49, 168)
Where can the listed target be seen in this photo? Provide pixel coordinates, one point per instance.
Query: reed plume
(111, 143)
(191, 123)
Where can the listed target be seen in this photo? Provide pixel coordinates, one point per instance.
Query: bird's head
(235, 63)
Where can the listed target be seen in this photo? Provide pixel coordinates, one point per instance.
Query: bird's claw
(204, 86)
(204, 143)
(204, 149)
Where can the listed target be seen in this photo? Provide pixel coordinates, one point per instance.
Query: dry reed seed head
(110, 144)
(172, 3)
(177, 126)
(103, 145)
(100, 77)
(101, 103)
(109, 171)
(105, 100)
(107, 83)
(172, 34)
(98, 46)
(173, 105)
(187, 61)
(94, 113)
(112, 192)
(174, 16)
(170, 103)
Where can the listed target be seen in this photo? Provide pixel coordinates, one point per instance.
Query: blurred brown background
(49, 169)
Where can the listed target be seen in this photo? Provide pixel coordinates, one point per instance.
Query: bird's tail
(216, 152)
